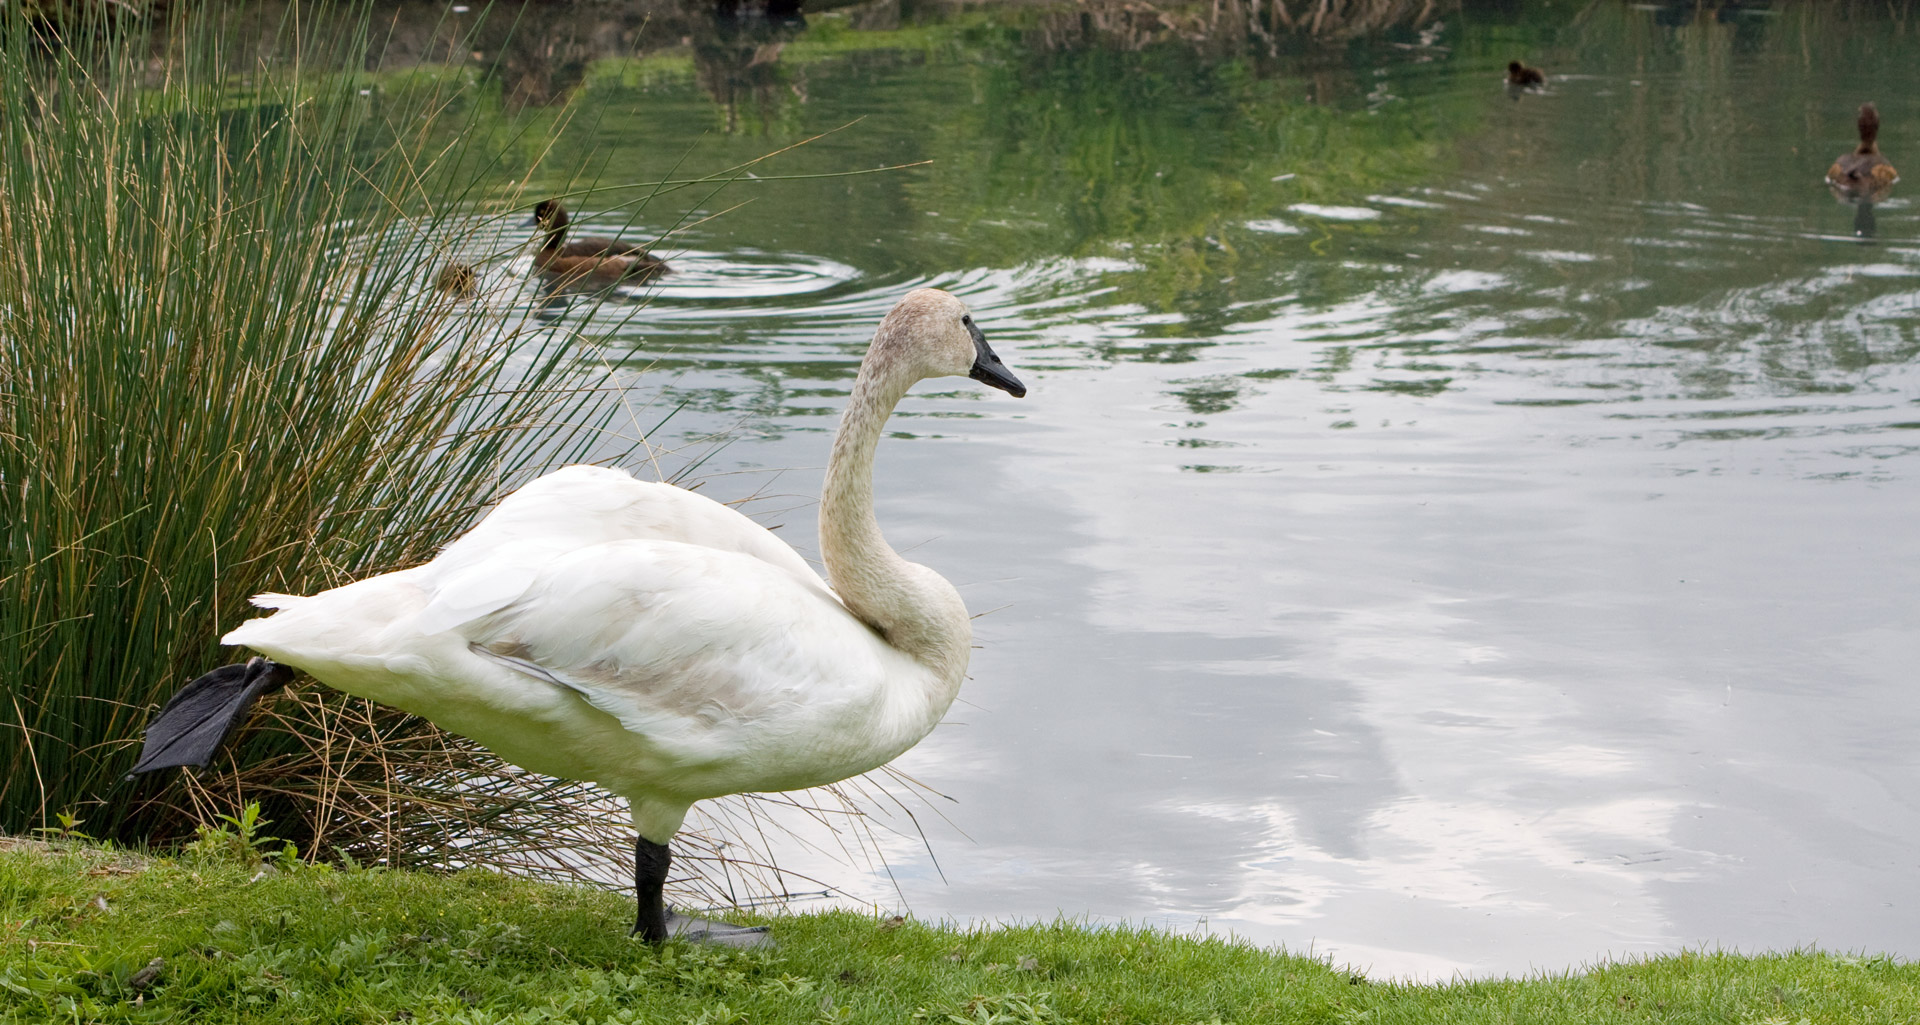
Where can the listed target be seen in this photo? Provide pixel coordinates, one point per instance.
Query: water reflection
(736, 56)
(1864, 226)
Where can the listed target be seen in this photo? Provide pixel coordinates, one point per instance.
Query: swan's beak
(987, 368)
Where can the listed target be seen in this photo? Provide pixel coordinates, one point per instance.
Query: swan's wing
(686, 645)
(578, 507)
(583, 505)
(464, 590)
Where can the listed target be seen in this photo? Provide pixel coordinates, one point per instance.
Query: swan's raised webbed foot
(196, 721)
(655, 924)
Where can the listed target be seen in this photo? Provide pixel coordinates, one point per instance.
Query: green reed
(223, 371)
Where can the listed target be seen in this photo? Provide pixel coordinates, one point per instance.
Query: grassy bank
(317, 945)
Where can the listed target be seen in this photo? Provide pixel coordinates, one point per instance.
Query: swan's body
(656, 642)
(1863, 174)
(637, 635)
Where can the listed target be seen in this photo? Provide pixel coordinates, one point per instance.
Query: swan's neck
(912, 607)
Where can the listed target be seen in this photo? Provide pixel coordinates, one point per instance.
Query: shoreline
(92, 933)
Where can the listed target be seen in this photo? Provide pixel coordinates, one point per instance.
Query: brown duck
(1519, 76)
(607, 259)
(1864, 173)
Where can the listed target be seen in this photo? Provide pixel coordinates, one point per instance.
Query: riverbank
(80, 926)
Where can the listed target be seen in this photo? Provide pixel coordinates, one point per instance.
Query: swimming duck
(1864, 173)
(605, 258)
(1519, 76)
(646, 637)
(459, 280)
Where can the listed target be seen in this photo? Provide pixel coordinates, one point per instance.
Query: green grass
(320, 945)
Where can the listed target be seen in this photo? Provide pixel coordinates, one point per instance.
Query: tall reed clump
(222, 371)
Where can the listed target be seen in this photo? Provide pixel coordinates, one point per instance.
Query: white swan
(647, 638)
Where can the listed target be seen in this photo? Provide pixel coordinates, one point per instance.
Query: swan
(644, 637)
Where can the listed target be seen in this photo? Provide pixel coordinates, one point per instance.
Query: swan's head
(929, 333)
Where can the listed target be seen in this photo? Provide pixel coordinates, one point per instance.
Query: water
(1447, 532)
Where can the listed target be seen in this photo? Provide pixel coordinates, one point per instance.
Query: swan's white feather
(574, 508)
(713, 653)
(577, 506)
(462, 593)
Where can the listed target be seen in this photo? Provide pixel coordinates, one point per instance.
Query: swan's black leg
(655, 924)
(650, 862)
(194, 722)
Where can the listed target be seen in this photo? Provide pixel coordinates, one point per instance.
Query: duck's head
(930, 333)
(1869, 127)
(549, 215)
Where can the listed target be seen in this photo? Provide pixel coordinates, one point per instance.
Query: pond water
(1448, 532)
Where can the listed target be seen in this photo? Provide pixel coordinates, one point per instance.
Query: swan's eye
(967, 319)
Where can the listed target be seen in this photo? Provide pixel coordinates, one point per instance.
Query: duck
(645, 637)
(1520, 76)
(459, 280)
(606, 259)
(1863, 174)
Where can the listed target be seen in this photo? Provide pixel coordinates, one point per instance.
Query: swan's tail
(250, 629)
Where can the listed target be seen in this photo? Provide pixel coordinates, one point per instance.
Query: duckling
(1519, 76)
(458, 280)
(1864, 173)
(604, 258)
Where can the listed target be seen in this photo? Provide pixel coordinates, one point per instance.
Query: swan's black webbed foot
(655, 924)
(193, 723)
(724, 934)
